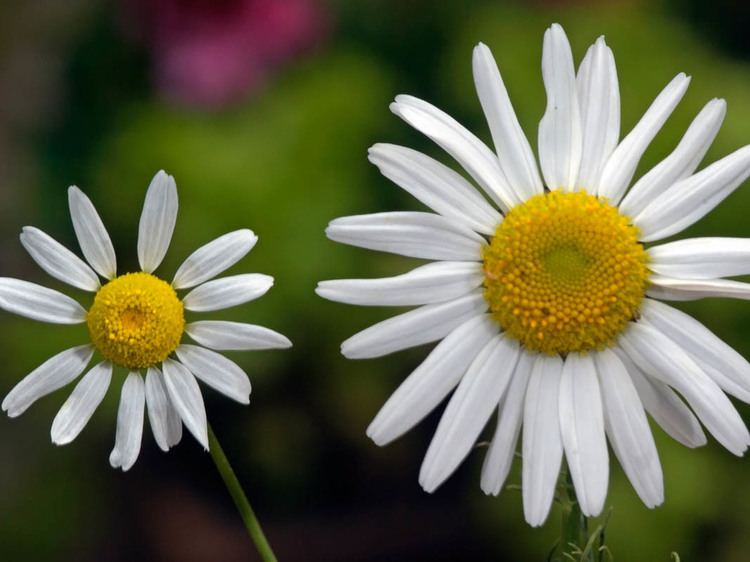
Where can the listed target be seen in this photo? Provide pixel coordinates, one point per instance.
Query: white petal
(92, 236)
(628, 430)
(431, 283)
(717, 359)
(661, 358)
(621, 165)
(227, 292)
(582, 431)
(157, 221)
(513, 150)
(185, 396)
(665, 406)
(444, 191)
(470, 407)
(499, 457)
(467, 149)
(668, 288)
(429, 383)
(39, 303)
(692, 198)
(81, 404)
(701, 258)
(57, 260)
(542, 444)
(681, 163)
(54, 373)
(211, 259)
(413, 234)
(599, 100)
(560, 140)
(129, 423)
(226, 336)
(164, 419)
(419, 326)
(216, 371)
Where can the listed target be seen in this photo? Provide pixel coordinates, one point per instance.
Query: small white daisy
(543, 297)
(136, 321)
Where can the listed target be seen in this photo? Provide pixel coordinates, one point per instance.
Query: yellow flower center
(136, 320)
(565, 272)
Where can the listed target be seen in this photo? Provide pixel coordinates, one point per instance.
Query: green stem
(240, 499)
(575, 531)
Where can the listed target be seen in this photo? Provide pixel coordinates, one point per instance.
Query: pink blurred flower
(213, 52)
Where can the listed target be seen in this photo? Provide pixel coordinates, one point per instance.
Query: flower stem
(575, 532)
(240, 499)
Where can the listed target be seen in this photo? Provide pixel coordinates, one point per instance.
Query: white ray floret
(58, 261)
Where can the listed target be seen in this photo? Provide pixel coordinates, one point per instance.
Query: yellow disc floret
(565, 272)
(136, 320)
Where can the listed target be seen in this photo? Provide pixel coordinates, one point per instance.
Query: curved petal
(129, 423)
(560, 140)
(211, 259)
(599, 100)
(431, 283)
(582, 431)
(235, 336)
(542, 444)
(465, 147)
(166, 424)
(54, 373)
(717, 359)
(513, 150)
(628, 429)
(81, 404)
(670, 289)
(621, 165)
(412, 234)
(39, 303)
(429, 383)
(681, 163)
(216, 371)
(57, 260)
(701, 258)
(157, 221)
(661, 358)
(416, 327)
(665, 406)
(444, 191)
(470, 407)
(499, 456)
(227, 292)
(185, 395)
(92, 236)
(690, 199)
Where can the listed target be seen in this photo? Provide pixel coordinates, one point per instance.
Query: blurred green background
(271, 134)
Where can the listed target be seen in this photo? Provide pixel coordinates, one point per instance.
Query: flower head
(136, 322)
(543, 291)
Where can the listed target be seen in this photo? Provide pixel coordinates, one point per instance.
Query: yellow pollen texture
(136, 320)
(565, 273)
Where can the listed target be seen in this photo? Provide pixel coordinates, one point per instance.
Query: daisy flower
(136, 322)
(544, 292)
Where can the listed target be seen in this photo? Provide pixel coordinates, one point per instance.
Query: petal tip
(323, 290)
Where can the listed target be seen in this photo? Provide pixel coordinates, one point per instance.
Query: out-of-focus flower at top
(214, 52)
(545, 292)
(136, 322)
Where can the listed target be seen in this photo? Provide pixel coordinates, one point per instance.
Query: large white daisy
(136, 322)
(543, 293)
